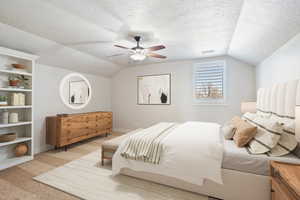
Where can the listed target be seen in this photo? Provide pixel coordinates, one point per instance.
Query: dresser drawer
(75, 132)
(74, 125)
(280, 191)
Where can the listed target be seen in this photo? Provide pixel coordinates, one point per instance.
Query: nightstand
(285, 180)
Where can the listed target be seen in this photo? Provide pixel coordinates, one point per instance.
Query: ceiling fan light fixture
(138, 55)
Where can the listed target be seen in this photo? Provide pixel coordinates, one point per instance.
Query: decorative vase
(5, 117)
(21, 150)
(163, 98)
(13, 118)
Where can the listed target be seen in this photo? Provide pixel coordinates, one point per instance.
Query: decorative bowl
(21, 150)
(18, 66)
(8, 137)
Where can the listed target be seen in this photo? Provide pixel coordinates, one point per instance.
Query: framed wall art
(154, 89)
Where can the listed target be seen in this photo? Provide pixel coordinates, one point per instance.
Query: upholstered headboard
(281, 100)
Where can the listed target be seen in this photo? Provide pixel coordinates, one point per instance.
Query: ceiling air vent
(208, 51)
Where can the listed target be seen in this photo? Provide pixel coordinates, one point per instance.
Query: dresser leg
(66, 148)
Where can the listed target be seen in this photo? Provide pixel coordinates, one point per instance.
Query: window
(209, 81)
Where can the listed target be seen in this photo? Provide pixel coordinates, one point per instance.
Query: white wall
(47, 101)
(129, 115)
(281, 66)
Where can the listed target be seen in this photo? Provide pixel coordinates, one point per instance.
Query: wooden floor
(16, 183)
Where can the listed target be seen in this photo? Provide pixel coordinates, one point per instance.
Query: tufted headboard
(280, 100)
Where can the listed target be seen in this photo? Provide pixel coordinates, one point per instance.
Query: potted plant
(13, 80)
(3, 100)
(18, 81)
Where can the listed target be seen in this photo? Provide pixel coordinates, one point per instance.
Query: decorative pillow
(228, 131)
(296, 151)
(244, 131)
(267, 137)
(264, 114)
(287, 142)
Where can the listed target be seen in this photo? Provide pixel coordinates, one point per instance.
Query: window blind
(209, 81)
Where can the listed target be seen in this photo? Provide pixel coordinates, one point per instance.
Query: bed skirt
(237, 185)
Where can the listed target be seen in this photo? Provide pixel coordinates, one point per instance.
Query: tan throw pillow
(244, 133)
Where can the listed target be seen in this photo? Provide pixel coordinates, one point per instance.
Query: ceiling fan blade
(121, 47)
(156, 48)
(156, 55)
(115, 55)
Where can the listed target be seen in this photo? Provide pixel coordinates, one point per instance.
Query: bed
(245, 176)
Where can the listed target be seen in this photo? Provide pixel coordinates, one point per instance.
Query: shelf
(14, 124)
(15, 107)
(15, 72)
(14, 161)
(15, 90)
(18, 140)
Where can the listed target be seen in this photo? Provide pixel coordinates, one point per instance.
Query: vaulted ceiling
(80, 34)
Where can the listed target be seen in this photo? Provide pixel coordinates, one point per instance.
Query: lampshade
(248, 107)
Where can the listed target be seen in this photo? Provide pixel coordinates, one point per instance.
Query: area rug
(86, 179)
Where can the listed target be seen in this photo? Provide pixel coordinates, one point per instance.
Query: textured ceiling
(80, 34)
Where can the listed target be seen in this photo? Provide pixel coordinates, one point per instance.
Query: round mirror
(75, 91)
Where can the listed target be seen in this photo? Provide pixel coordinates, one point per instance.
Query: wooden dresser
(65, 129)
(285, 180)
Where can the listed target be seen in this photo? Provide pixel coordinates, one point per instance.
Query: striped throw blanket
(146, 145)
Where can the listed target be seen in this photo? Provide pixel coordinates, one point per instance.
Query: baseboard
(41, 149)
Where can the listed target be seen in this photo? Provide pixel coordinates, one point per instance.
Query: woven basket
(8, 137)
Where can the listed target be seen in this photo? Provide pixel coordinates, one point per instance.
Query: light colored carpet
(86, 179)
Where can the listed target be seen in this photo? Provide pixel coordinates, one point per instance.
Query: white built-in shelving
(23, 128)
(14, 107)
(13, 161)
(15, 124)
(15, 72)
(8, 89)
(18, 140)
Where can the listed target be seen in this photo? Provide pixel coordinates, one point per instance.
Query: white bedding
(192, 152)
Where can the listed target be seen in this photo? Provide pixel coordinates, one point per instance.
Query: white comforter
(192, 152)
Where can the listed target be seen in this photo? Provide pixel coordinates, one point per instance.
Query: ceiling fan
(139, 53)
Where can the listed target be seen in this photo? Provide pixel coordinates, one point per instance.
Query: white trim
(17, 54)
(15, 72)
(15, 107)
(65, 101)
(211, 102)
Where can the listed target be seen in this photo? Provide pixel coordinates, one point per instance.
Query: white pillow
(267, 137)
(287, 142)
(228, 131)
(263, 114)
